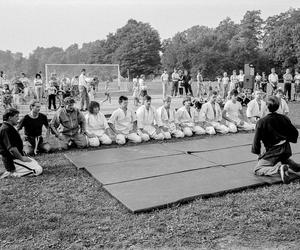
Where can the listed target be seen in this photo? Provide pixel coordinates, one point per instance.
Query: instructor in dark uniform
(276, 132)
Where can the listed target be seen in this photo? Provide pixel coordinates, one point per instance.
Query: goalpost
(102, 73)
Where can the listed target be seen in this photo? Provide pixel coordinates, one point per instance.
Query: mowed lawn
(66, 208)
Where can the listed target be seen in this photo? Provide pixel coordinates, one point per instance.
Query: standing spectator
(200, 86)
(225, 85)
(175, 79)
(187, 79)
(273, 80)
(180, 83)
(165, 82)
(51, 91)
(264, 82)
(283, 107)
(234, 81)
(38, 87)
(297, 85)
(16, 92)
(107, 91)
(33, 124)
(241, 78)
(142, 86)
(11, 149)
(258, 81)
(287, 79)
(69, 125)
(74, 86)
(83, 89)
(135, 91)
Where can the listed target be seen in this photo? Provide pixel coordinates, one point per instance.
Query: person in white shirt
(256, 108)
(233, 111)
(38, 87)
(225, 85)
(97, 128)
(273, 80)
(283, 107)
(147, 120)
(287, 79)
(212, 114)
(258, 79)
(124, 124)
(83, 90)
(234, 81)
(200, 85)
(200, 119)
(142, 86)
(166, 115)
(241, 78)
(175, 80)
(186, 119)
(165, 82)
(297, 84)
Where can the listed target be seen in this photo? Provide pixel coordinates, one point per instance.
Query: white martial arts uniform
(97, 124)
(146, 119)
(232, 111)
(254, 110)
(283, 107)
(123, 122)
(213, 115)
(168, 121)
(187, 121)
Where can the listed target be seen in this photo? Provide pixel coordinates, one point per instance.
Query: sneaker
(283, 170)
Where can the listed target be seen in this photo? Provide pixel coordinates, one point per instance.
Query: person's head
(165, 71)
(38, 76)
(186, 72)
(213, 97)
(273, 103)
(234, 72)
(83, 71)
(273, 70)
(241, 72)
(175, 70)
(1, 73)
(35, 106)
(51, 83)
(94, 107)
(187, 102)
(264, 73)
(6, 86)
(167, 102)
(279, 93)
(197, 105)
(23, 74)
(147, 101)
(233, 95)
(225, 74)
(287, 71)
(258, 94)
(11, 116)
(257, 74)
(123, 101)
(69, 104)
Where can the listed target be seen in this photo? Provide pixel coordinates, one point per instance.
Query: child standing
(16, 94)
(51, 91)
(135, 93)
(106, 93)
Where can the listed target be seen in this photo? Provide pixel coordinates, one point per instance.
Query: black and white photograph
(149, 124)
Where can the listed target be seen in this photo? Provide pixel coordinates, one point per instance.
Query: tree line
(138, 49)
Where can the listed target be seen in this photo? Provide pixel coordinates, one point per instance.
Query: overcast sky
(26, 24)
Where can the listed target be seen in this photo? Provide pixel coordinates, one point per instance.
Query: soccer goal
(98, 74)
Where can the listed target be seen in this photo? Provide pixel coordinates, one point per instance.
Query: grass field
(66, 208)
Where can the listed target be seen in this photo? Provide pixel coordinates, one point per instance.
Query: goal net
(98, 74)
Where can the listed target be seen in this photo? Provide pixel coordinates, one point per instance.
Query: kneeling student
(200, 120)
(232, 112)
(166, 115)
(186, 119)
(256, 108)
(212, 114)
(124, 124)
(11, 149)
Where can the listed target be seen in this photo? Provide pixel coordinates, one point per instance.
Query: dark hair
(83, 70)
(38, 75)
(279, 91)
(122, 98)
(93, 105)
(273, 103)
(9, 113)
(147, 98)
(234, 92)
(32, 103)
(187, 99)
(69, 100)
(197, 105)
(215, 92)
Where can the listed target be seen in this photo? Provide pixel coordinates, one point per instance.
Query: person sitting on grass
(123, 123)
(200, 119)
(233, 112)
(212, 114)
(69, 125)
(276, 132)
(148, 122)
(256, 108)
(33, 124)
(283, 107)
(11, 149)
(186, 119)
(166, 115)
(97, 127)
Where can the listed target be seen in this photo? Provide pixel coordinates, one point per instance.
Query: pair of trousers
(52, 101)
(84, 98)
(188, 89)
(288, 90)
(174, 88)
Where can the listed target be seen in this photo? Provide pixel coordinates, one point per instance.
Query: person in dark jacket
(276, 132)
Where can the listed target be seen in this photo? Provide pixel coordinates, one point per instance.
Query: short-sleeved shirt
(9, 138)
(33, 126)
(122, 122)
(96, 123)
(232, 109)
